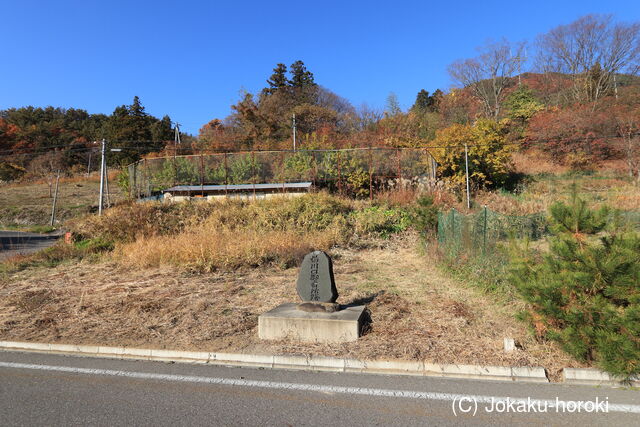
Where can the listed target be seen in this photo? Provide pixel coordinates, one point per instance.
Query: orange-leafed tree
(578, 136)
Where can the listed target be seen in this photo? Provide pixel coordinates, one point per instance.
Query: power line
(76, 145)
(23, 152)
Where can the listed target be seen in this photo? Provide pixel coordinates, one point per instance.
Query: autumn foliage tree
(265, 121)
(626, 114)
(29, 133)
(488, 151)
(576, 136)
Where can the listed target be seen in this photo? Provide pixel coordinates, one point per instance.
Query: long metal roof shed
(239, 187)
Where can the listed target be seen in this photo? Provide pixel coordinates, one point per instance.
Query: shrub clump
(585, 291)
(230, 234)
(424, 215)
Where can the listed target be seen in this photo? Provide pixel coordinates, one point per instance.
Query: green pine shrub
(584, 292)
(424, 215)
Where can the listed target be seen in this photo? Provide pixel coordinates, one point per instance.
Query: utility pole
(294, 131)
(55, 200)
(102, 170)
(176, 140)
(466, 166)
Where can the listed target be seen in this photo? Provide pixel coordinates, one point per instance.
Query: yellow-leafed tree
(489, 153)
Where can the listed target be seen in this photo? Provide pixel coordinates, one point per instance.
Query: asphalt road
(57, 390)
(17, 242)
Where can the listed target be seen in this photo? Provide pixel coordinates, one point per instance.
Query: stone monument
(316, 286)
(318, 318)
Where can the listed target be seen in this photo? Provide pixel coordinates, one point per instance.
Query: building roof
(239, 187)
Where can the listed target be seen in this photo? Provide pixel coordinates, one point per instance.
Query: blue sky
(191, 59)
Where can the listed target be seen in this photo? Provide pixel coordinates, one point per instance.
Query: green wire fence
(477, 233)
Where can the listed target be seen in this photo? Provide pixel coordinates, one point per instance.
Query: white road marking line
(551, 403)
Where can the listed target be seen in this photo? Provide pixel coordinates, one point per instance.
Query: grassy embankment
(27, 206)
(196, 276)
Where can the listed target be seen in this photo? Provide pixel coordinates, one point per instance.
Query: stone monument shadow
(363, 300)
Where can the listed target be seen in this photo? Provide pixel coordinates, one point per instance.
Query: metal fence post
(147, 178)
(484, 244)
(315, 168)
(55, 200)
(133, 189)
(399, 167)
(339, 175)
(201, 174)
(253, 173)
(453, 223)
(466, 168)
(282, 171)
(370, 174)
(226, 176)
(175, 170)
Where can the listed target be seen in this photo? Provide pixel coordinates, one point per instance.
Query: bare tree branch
(488, 74)
(591, 50)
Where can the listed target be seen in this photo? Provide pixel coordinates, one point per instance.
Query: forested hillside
(37, 141)
(573, 93)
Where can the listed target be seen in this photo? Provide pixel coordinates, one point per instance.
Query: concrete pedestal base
(286, 321)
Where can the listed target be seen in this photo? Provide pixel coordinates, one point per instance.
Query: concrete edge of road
(322, 363)
(590, 376)
(312, 363)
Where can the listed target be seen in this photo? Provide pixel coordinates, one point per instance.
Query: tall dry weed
(209, 249)
(534, 162)
(232, 234)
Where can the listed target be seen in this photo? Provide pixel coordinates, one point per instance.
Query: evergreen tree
(162, 130)
(136, 109)
(131, 126)
(437, 98)
(427, 103)
(278, 79)
(300, 76)
(423, 101)
(585, 292)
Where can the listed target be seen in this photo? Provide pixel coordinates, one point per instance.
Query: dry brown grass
(397, 197)
(416, 312)
(211, 249)
(207, 237)
(533, 162)
(628, 201)
(510, 205)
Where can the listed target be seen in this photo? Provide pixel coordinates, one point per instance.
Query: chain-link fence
(358, 172)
